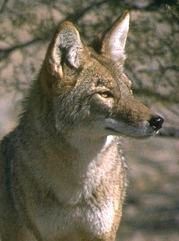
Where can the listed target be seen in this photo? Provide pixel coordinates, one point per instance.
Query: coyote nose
(156, 122)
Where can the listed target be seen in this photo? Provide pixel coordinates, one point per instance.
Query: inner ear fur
(114, 39)
(66, 47)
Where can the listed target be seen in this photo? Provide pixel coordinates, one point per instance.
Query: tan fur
(62, 171)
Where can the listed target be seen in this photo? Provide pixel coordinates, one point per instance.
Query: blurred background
(151, 209)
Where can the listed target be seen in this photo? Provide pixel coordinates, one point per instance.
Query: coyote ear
(114, 39)
(66, 46)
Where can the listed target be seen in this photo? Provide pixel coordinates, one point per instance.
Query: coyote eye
(106, 94)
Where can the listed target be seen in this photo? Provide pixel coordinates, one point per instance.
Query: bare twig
(5, 52)
(3, 6)
(157, 96)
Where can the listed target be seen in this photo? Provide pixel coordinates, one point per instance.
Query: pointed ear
(114, 39)
(65, 47)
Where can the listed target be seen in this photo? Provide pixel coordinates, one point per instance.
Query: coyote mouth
(133, 134)
(116, 127)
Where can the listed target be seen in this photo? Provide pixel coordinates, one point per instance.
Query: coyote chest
(91, 207)
(74, 220)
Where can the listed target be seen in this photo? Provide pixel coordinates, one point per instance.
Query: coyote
(62, 172)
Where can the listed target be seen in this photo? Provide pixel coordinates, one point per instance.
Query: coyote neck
(88, 148)
(81, 168)
(92, 168)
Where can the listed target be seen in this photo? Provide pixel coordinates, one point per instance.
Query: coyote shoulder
(62, 173)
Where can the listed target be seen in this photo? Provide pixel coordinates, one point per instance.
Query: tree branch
(157, 96)
(5, 52)
(77, 15)
(3, 6)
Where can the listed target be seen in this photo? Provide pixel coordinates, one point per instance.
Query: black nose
(156, 122)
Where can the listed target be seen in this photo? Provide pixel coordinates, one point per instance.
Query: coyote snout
(61, 172)
(134, 119)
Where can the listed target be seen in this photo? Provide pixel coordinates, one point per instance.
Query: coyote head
(87, 87)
